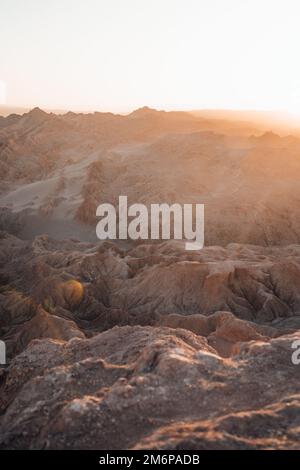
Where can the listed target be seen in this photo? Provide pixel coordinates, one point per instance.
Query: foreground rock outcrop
(148, 346)
(147, 387)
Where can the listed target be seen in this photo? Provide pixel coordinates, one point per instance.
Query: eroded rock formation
(145, 345)
(199, 357)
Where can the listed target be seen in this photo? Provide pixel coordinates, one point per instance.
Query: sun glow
(116, 55)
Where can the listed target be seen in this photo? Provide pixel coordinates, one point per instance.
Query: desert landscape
(144, 345)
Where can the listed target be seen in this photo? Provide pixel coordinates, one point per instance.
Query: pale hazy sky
(171, 54)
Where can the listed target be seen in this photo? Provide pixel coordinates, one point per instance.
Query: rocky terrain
(56, 169)
(116, 345)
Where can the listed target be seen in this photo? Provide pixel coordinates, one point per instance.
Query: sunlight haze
(119, 55)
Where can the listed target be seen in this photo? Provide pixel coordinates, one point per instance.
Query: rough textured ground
(147, 387)
(201, 356)
(122, 345)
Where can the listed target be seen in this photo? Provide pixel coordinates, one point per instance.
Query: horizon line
(17, 109)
